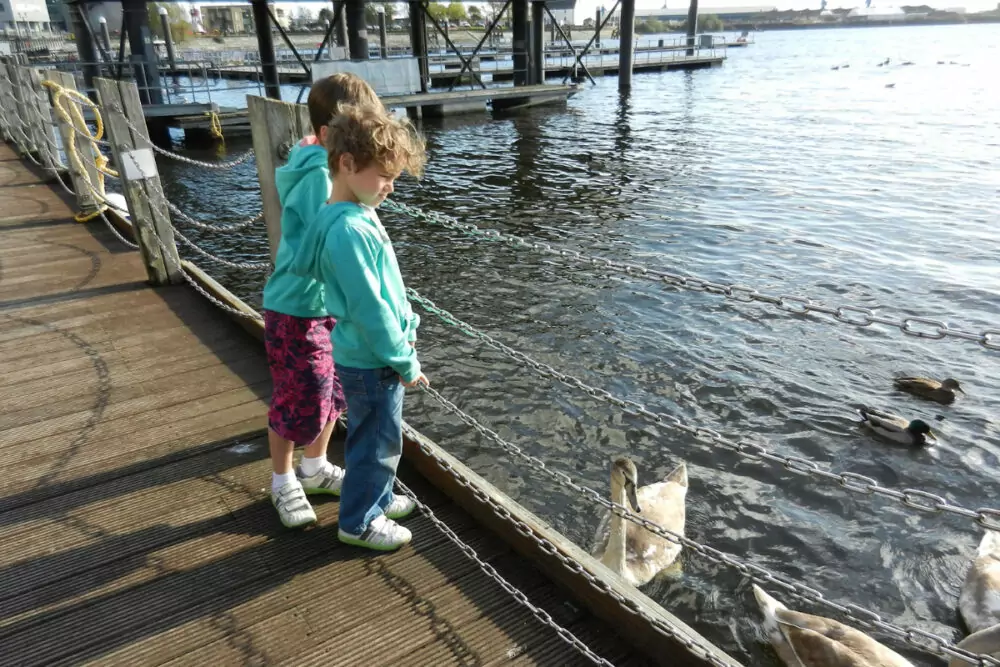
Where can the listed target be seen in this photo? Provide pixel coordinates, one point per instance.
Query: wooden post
(137, 168)
(275, 127)
(86, 201)
(24, 138)
(7, 105)
(40, 108)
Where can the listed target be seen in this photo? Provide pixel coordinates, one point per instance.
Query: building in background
(680, 13)
(24, 16)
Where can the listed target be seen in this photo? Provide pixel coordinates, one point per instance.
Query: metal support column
(85, 46)
(538, 42)
(340, 11)
(168, 39)
(105, 33)
(520, 43)
(692, 26)
(357, 30)
(597, 27)
(626, 44)
(382, 38)
(418, 41)
(265, 44)
(135, 20)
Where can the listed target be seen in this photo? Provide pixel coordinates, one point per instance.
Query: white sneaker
(399, 507)
(382, 535)
(293, 508)
(326, 481)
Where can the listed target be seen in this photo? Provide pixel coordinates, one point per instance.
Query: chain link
(262, 267)
(240, 159)
(751, 570)
(660, 624)
(919, 327)
(522, 599)
(213, 228)
(115, 231)
(911, 498)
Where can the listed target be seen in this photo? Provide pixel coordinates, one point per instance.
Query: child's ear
(347, 163)
(323, 131)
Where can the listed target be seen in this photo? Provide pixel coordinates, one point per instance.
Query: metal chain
(919, 327)
(115, 231)
(240, 159)
(253, 316)
(860, 484)
(921, 639)
(571, 564)
(522, 599)
(262, 267)
(214, 228)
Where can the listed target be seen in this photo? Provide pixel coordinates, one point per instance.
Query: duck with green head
(916, 433)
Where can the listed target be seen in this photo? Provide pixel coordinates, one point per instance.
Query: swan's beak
(632, 499)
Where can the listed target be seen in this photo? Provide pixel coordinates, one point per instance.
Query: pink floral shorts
(306, 393)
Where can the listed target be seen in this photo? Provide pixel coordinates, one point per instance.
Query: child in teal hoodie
(348, 251)
(306, 397)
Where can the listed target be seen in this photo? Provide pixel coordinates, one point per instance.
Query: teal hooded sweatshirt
(347, 250)
(303, 188)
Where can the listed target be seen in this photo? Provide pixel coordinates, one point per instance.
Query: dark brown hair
(329, 93)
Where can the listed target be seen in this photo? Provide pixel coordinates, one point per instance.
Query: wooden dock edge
(461, 484)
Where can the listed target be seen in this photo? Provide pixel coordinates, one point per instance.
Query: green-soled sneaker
(326, 481)
(383, 534)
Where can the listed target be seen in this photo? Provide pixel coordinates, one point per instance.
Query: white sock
(278, 480)
(311, 467)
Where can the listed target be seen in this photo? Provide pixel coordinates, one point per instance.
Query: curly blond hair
(371, 136)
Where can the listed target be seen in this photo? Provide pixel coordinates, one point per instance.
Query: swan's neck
(614, 555)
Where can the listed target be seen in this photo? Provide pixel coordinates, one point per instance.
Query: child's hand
(421, 379)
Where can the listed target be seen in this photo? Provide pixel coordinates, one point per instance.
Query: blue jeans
(374, 443)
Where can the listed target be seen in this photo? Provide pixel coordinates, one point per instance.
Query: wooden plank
(275, 127)
(146, 204)
(85, 199)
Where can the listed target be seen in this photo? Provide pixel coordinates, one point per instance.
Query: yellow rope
(63, 100)
(215, 125)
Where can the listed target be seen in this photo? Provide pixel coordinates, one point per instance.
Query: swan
(979, 603)
(628, 549)
(984, 642)
(804, 640)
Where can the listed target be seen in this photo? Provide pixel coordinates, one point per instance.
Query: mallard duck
(916, 433)
(979, 602)
(628, 549)
(804, 640)
(941, 391)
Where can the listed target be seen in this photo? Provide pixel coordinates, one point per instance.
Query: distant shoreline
(762, 27)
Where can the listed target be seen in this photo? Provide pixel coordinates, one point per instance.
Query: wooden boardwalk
(135, 526)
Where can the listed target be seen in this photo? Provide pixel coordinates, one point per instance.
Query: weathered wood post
(40, 107)
(86, 201)
(7, 103)
(133, 155)
(24, 137)
(275, 127)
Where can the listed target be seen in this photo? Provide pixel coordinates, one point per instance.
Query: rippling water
(776, 171)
